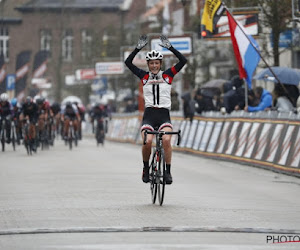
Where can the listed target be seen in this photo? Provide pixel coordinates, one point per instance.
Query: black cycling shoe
(145, 176)
(168, 178)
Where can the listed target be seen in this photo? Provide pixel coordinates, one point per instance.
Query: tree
(276, 16)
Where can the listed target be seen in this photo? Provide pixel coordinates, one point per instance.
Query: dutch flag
(243, 45)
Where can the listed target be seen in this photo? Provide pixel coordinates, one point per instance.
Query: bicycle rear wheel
(13, 139)
(3, 141)
(152, 175)
(161, 178)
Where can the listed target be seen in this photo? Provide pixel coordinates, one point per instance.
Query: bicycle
(99, 135)
(13, 134)
(158, 165)
(72, 135)
(27, 138)
(3, 133)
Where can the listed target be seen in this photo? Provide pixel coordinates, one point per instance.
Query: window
(4, 42)
(67, 45)
(46, 39)
(86, 44)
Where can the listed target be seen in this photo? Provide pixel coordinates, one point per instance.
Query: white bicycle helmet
(154, 55)
(4, 97)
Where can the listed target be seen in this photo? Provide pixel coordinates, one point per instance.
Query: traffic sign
(182, 44)
(10, 81)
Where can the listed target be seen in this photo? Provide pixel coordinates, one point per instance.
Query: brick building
(76, 33)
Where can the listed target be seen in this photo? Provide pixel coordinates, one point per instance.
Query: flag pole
(253, 45)
(246, 92)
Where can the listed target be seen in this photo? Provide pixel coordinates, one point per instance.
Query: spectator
(217, 102)
(265, 98)
(188, 106)
(292, 93)
(130, 106)
(282, 102)
(234, 98)
(203, 103)
(174, 100)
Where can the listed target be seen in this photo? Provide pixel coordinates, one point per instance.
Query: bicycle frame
(3, 133)
(158, 165)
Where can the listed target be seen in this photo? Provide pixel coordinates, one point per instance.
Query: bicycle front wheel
(161, 177)
(152, 175)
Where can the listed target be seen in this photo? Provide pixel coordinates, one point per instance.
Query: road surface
(93, 198)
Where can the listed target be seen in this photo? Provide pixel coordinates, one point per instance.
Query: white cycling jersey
(157, 91)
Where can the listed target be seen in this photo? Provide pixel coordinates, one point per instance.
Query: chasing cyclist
(30, 113)
(6, 113)
(157, 95)
(70, 113)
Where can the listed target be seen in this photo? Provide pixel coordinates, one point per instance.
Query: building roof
(72, 4)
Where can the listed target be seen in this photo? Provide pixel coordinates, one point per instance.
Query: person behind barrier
(234, 98)
(157, 95)
(188, 106)
(282, 102)
(203, 102)
(265, 100)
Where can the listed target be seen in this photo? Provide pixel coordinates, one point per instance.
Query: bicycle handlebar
(162, 133)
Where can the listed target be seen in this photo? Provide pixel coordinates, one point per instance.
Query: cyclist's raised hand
(165, 42)
(143, 40)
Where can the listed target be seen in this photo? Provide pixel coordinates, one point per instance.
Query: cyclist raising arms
(157, 96)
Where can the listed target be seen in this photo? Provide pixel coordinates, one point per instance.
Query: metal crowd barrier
(264, 139)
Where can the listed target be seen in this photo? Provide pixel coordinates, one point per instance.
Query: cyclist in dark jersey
(6, 113)
(30, 112)
(70, 113)
(157, 95)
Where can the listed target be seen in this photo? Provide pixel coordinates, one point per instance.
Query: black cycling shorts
(156, 119)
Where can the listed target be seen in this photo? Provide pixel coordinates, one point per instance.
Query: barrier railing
(266, 139)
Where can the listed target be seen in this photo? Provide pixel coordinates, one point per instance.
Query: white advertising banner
(192, 133)
(232, 138)
(274, 142)
(295, 159)
(286, 145)
(206, 135)
(262, 142)
(223, 137)
(243, 139)
(214, 137)
(183, 132)
(199, 134)
(251, 141)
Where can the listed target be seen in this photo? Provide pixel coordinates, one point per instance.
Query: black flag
(22, 68)
(40, 63)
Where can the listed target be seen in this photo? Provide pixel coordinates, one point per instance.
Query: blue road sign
(10, 81)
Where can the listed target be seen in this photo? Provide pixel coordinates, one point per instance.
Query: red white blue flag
(246, 54)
